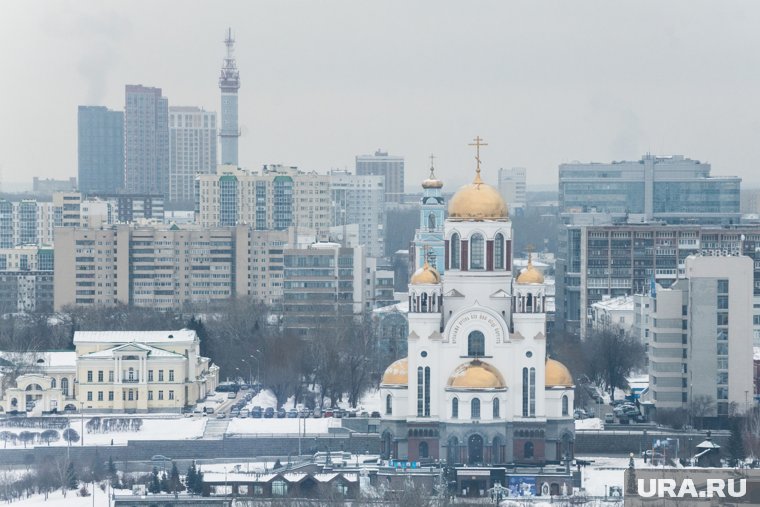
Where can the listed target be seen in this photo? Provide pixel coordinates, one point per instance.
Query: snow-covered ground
(56, 499)
(173, 428)
(592, 423)
(606, 471)
(250, 426)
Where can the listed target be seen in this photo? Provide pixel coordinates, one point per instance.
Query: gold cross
(478, 143)
(432, 157)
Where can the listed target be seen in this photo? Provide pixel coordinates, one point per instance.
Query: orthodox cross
(478, 143)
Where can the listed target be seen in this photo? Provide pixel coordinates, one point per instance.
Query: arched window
(423, 449)
(528, 450)
(565, 408)
(389, 405)
(455, 408)
(498, 251)
(456, 252)
(65, 386)
(475, 409)
(496, 408)
(131, 374)
(476, 344)
(431, 221)
(477, 252)
(52, 383)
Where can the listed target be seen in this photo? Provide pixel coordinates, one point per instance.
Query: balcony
(130, 380)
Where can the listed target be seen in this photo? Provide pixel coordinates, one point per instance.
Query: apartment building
(699, 335)
(26, 279)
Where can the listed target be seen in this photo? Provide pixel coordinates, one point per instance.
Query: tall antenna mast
(229, 84)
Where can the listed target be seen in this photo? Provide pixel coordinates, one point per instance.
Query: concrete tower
(229, 83)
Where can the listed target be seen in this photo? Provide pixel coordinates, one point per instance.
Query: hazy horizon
(542, 82)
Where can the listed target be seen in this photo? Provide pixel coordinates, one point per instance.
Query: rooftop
(170, 336)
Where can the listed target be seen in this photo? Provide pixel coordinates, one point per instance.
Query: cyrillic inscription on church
(492, 325)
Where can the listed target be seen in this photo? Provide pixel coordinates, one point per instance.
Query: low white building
(612, 314)
(114, 371)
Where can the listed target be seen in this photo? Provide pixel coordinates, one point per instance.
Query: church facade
(477, 386)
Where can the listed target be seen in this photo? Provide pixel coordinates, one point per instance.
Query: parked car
(609, 418)
(281, 413)
(304, 412)
(316, 414)
(579, 413)
(221, 415)
(245, 412)
(338, 413)
(327, 413)
(292, 413)
(231, 395)
(208, 410)
(269, 413)
(256, 412)
(234, 412)
(375, 413)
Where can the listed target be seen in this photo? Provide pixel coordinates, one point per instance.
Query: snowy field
(592, 423)
(152, 429)
(56, 499)
(250, 426)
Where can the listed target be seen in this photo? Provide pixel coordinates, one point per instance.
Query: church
(477, 386)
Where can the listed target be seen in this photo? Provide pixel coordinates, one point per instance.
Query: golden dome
(530, 274)
(557, 374)
(397, 374)
(477, 201)
(426, 275)
(476, 375)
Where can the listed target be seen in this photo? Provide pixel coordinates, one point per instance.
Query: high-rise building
(597, 261)
(229, 84)
(428, 244)
(26, 279)
(699, 336)
(360, 200)
(146, 141)
(192, 134)
(673, 189)
(101, 149)
(512, 188)
(48, 186)
(382, 164)
(276, 198)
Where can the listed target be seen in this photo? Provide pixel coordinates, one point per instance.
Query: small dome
(426, 275)
(557, 374)
(476, 375)
(530, 274)
(432, 181)
(477, 201)
(397, 374)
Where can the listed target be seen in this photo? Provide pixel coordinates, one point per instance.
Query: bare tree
(699, 407)
(612, 356)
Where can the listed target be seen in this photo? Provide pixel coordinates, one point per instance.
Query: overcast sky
(544, 82)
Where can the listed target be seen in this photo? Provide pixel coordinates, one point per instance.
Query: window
(110, 376)
(722, 286)
(160, 375)
(476, 344)
(456, 252)
(420, 390)
(423, 450)
(565, 407)
(89, 375)
(131, 374)
(150, 395)
(100, 375)
(722, 319)
(150, 375)
(388, 405)
(477, 252)
(65, 386)
(89, 395)
(110, 395)
(427, 391)
(171, 395)
(52, 383)
(171, 375)
(528, 450)
(279, 488)
(475, 409)
(498, 251)
(529, 392)
(496, 408)
(100, 395)
(455, 408)
(131, 395)
(160, 395)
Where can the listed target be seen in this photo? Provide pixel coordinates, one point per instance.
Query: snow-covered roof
(127, 347)
(402, 307)
(171, 336)
(54, 359)
(708, 444)
(294, 477)
(620, 303)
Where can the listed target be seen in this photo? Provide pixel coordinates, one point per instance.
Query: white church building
(477, 386)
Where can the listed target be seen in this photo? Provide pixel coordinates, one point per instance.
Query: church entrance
(475, 449)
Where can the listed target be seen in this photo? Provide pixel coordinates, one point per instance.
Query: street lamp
(81, 416)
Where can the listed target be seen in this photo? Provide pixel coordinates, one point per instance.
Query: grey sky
(543, 82)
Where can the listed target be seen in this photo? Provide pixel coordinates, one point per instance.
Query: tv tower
(229, 84)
